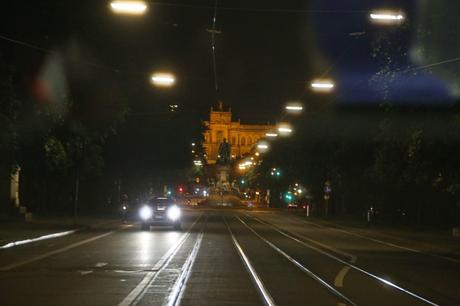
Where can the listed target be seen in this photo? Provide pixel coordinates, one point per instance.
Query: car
(160, 211)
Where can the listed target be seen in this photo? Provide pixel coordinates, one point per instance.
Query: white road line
(383, 242)
(353, 258)
(139, 291)
(340, 277)
(45, 237)
(43, 256)
(267, 298)
(380, 279)
(338, 282)
(300, 266)
(179, 287)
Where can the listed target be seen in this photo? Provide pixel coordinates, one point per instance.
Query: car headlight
(146, 212)
(174, 213)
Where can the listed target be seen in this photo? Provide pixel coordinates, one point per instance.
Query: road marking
(45, 237)
(179, 287)
(83, 273)
(339, 279)
(300, 266)
(338, 282)
(380, 279)
(353, 258)
(268, 299)
(52, 253)
(341, 229)
(139, 291)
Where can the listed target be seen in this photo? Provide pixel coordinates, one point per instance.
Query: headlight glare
(146, 212)
(174, 213)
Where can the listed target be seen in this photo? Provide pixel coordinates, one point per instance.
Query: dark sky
(266, 55)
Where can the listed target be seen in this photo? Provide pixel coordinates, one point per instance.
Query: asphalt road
(226, 257)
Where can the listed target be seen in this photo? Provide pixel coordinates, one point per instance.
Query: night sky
(266, 55)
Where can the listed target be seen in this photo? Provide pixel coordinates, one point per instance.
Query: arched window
(243, 141)
(249, 141)
(233, 141)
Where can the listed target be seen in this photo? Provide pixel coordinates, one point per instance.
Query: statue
(224, 153)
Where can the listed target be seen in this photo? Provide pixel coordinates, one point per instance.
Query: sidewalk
(14, 229)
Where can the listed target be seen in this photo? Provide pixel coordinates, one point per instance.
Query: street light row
(137, 7)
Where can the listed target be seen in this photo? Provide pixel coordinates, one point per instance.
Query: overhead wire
(257, 10)
(213, 46)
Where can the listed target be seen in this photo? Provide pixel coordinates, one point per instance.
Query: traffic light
(275, 172)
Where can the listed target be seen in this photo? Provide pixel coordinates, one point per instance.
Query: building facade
(241, 137)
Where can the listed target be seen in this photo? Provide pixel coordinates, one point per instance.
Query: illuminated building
(242, 137)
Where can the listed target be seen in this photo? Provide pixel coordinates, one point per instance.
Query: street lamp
(322, 85)
(294, 107)
(271, 135)
(163, 79)
(129, 7)
(387, 17)
(262, 147)
(285, 129)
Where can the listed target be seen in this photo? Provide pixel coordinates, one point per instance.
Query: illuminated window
(233, 141)
(243, 141)
(249, 141)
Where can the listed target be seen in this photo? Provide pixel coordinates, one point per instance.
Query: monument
(223, 165)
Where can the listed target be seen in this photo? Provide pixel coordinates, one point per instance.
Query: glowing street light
(324, 86)
(294, 107)
(387, 17)
(129, 7)
(271, 135)
(285, 129)
(163, 79)
(262, 147)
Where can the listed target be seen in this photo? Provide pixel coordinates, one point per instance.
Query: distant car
(160, 211)
(292, 205)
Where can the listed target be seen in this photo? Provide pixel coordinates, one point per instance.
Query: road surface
(226, 257)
